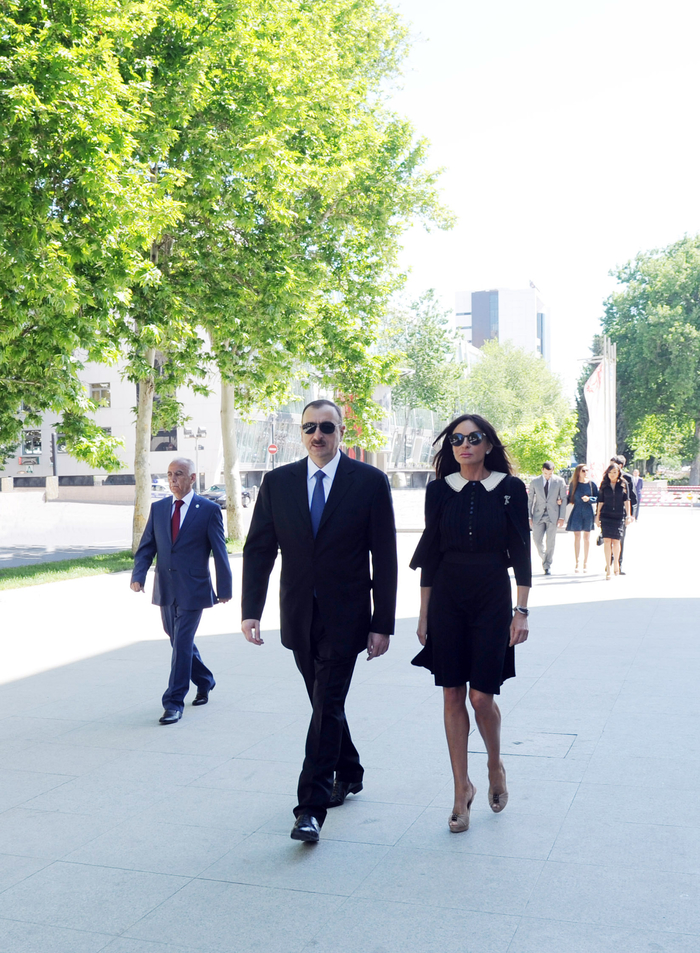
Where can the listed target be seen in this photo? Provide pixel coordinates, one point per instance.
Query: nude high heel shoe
(460, 822)
(498, 801)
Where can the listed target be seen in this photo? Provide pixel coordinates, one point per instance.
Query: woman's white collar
(457, 482)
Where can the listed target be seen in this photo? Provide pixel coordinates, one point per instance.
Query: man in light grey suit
(547, 506)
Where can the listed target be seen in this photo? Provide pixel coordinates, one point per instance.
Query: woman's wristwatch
(525, 612)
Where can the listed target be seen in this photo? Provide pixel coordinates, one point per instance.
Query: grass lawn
(36, 574)
(15, 577)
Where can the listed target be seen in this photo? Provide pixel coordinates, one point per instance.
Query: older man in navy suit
(183, 530)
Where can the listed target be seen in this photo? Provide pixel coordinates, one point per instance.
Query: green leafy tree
(538, 440)
(423, 345)
(296, 183)
(654, 318)
(516, 391)
(657, 437)
(78, 207)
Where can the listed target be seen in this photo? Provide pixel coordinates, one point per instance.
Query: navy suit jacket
(182, 568)
(353, 598)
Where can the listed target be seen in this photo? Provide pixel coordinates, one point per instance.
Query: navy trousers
(187, 665)
(329, 747)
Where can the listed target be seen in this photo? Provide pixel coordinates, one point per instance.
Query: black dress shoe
(170, 716)
(201, 698)
(341, 789)
(306, 828)
(548, 572)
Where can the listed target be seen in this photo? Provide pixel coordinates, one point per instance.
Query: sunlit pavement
(118, 834)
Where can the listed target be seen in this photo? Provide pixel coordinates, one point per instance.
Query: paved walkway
(117, 834)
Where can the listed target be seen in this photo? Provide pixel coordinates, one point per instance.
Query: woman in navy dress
(582, 493)
(476, 525)
(612, 514)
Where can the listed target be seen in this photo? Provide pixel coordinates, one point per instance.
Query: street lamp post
(190, 434)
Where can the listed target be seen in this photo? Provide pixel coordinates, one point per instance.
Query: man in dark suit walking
(327, 514)
(182, 531)
(634, 503)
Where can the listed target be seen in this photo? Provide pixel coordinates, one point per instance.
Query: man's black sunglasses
(475, 438)
(326, 426)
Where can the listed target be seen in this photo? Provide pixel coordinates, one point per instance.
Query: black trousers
(329, 747)
(181, 626)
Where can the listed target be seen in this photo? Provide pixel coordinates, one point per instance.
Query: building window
(61, 443)
(164, 440)
(493, 315)
(107, 431)
(540, 332)
(31, 442)
(100, 393)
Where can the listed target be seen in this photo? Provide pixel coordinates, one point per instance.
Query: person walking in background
(613, 512)
(547, 509)
(627, 477)
(476, 525)
(328, 515)
(582, 494)
(638, 484)
(182, 531)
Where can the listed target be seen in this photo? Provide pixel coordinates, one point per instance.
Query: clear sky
(570, 139)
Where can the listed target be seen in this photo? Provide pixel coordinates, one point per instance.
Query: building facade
(505, 314)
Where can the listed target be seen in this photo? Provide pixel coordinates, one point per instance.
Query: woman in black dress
(476, 525)
(612, 514)
(582, 493)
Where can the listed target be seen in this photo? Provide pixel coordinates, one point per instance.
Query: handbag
(599, 541)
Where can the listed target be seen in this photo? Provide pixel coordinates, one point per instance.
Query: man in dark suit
(327, 514)
(182, 531)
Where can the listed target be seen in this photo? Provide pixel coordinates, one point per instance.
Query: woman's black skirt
(469, 618)
(612, 528)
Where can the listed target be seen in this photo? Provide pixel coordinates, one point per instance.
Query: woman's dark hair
(444, 459)
(575, 480)
(621, 480)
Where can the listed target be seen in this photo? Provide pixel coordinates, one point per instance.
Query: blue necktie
(318, 501)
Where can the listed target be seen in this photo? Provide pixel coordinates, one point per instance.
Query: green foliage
(422, 345)
(655, 320)
(667, 437)
(510, 387)
(516, 391)
(538, 440)
(78, 205)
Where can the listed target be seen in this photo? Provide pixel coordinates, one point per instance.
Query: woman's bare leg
(457, 731)
(616, 554)
(488, 721)
(586, 546)
(577, 546)
(607, 548)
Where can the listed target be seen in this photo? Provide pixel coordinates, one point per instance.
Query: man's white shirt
(329, 472)
(186, 500)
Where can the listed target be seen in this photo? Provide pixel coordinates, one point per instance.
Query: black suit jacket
(358, 521)
(182, 569)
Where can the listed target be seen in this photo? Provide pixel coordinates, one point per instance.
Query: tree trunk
(695, 468)
(232, 473)
(142, 455)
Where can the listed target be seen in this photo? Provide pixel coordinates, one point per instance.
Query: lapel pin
(196, 506)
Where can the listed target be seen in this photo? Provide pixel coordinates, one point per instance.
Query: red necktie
(176, 518)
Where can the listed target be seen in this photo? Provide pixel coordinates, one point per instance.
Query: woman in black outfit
(612, 514)
(476, 525)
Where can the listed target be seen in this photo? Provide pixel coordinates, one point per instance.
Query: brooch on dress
(506, 500)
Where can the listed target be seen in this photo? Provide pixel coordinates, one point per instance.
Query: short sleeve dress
(612, 514)
(582, 518)
(474, 530)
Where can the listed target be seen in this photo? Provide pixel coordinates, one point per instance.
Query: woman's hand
(422, 630)
(519, 628)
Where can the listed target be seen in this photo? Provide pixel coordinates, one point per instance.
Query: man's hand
(137, 587)
(251, 630)
(377, 645)
(223, 600)
(560, 523)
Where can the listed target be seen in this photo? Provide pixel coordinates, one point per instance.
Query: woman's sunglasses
(326, 426)
(475, 438)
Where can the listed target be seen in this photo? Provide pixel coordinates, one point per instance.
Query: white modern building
(505, 314)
